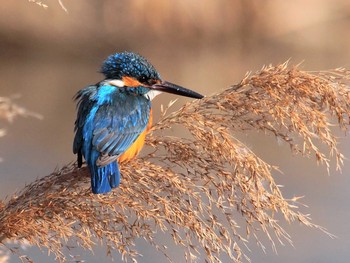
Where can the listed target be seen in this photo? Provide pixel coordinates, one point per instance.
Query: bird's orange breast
(136, 147)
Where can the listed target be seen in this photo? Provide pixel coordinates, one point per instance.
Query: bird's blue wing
(117, 124)
(108, 122)
(84, 107)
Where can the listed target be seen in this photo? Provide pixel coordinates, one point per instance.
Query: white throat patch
(117, 82)
(152, 94)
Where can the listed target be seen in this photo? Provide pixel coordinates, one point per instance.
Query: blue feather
(104, 178)
(109, 121)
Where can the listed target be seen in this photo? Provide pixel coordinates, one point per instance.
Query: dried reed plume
(9, 111)
(41, 4)
(194, 189)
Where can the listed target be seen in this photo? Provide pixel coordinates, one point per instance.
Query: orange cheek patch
(131, 82)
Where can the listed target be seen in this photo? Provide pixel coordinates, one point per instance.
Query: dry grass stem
(45, 6)
(39, 3)
(209, 192)
(10, 110)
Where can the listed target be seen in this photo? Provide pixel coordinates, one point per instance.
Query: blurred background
(47, 55)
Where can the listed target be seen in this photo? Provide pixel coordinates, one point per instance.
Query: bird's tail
(104, 178)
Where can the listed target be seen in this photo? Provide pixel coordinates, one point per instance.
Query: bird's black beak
(168, 87)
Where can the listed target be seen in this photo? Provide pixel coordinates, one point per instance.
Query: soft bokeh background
(47, 55)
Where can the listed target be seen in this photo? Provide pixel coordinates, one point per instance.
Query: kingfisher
(114, 116)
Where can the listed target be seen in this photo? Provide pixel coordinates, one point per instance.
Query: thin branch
(62, 6)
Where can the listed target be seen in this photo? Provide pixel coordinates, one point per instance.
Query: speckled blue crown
(128, 64)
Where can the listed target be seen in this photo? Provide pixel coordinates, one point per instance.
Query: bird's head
(132, 71)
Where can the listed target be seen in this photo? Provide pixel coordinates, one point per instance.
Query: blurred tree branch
(10, 110)
(194, 189)
(41, 4)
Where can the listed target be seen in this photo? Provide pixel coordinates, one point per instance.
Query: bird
(114, 116)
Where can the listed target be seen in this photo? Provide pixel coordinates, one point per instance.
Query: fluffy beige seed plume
(194, 189)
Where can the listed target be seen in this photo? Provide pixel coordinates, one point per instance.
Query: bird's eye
(151, 82)
(146, 80)
(142, 79)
